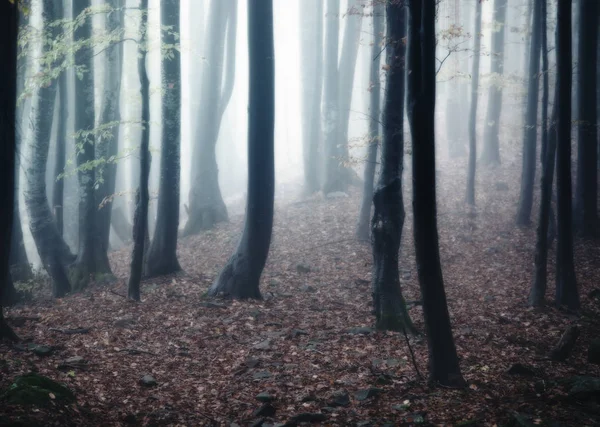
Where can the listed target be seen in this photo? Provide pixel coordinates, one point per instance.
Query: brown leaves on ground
(307, 350)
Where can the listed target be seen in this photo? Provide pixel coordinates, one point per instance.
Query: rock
(339, 398)
(251, 362)
(266, 410)
(501, 186)
(594, 294)
(72, 362)
(42, 350)
(130, 419)
(209, 304)
(384, 379)
(520, 369)
(465, 331)
(367, 393)
(594, 352)
(303, 268)
(364, 424)
(261, 375)
(124, 323)
(148, 381)
(258, 423)
(34, 389)
(263, 345)
(298, 332)
(584, 388)
(363, 330)
(308, 417)
(308, 398)
(264, 397)
(307, 288)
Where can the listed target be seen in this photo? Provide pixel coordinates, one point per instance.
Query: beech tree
(162, 254)
(240, 277)
(443, 359)
(470, 198)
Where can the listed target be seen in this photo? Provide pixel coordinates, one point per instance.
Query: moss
(34, 389)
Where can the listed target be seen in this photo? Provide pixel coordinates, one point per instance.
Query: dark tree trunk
(443, 360)
(206, 205)
(311, 39)
(388, 218)
(566, 285)
(140, 219)
(8, 103)
(491, 137)
(548, 158)
(108, 146)
(362, 229)
(530, 130)
(54, 252)
(330, 112)
(240, 278)
(586, 196)
(470, 198)
(92, 259)
(162, 254)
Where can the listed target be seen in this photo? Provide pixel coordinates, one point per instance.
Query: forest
(299, 212)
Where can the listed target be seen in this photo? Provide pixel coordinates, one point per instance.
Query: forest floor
(309, 345)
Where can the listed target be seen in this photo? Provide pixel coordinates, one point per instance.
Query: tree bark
(206, 205)
(566, 285)
(8, 102)
(362, 228)
(162, 254)
(311, 39)
(470, 197)
(140, 221)
(240, 277)
(530, 130)
(491, 137)
(443, 360)
(586, 195)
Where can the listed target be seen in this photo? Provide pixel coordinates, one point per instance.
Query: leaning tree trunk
(530, 129)
(388, 218)
(491, 134)
(8, 102)
(566, 284)
(52, 249)
(362, 229)
(108, 145)
(586, 195)
(206, 205)
(470, 198)
(92, 260)
(311, 39)
(338, 173)
(443, 360)
(140, 220)
(162, 254)
(240, 278)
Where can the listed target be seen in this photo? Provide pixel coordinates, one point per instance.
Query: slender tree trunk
(443, 360)
(311, 39)
(470, 198)
(162, 255)
(108, 146)
(206, 205)
(566, 284)
(491, 136)
(530, 132)
(388, 218)
(586, 196)
(8, 102)
(362, 229)
(52, 249)
(140, 221)
(240, 278)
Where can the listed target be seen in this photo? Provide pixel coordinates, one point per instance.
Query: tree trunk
(530, 132)
(108, 146)
(8, 102)
(162, 254)
(566, 285)
(92, 260)
(140, 220)
(240, 278)
(54, 252)
(311, 39)
(443, 360)
(470, 198)
(362, 229)
(206, 205)
(491, 137)
(586, 196)
(388, 218)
